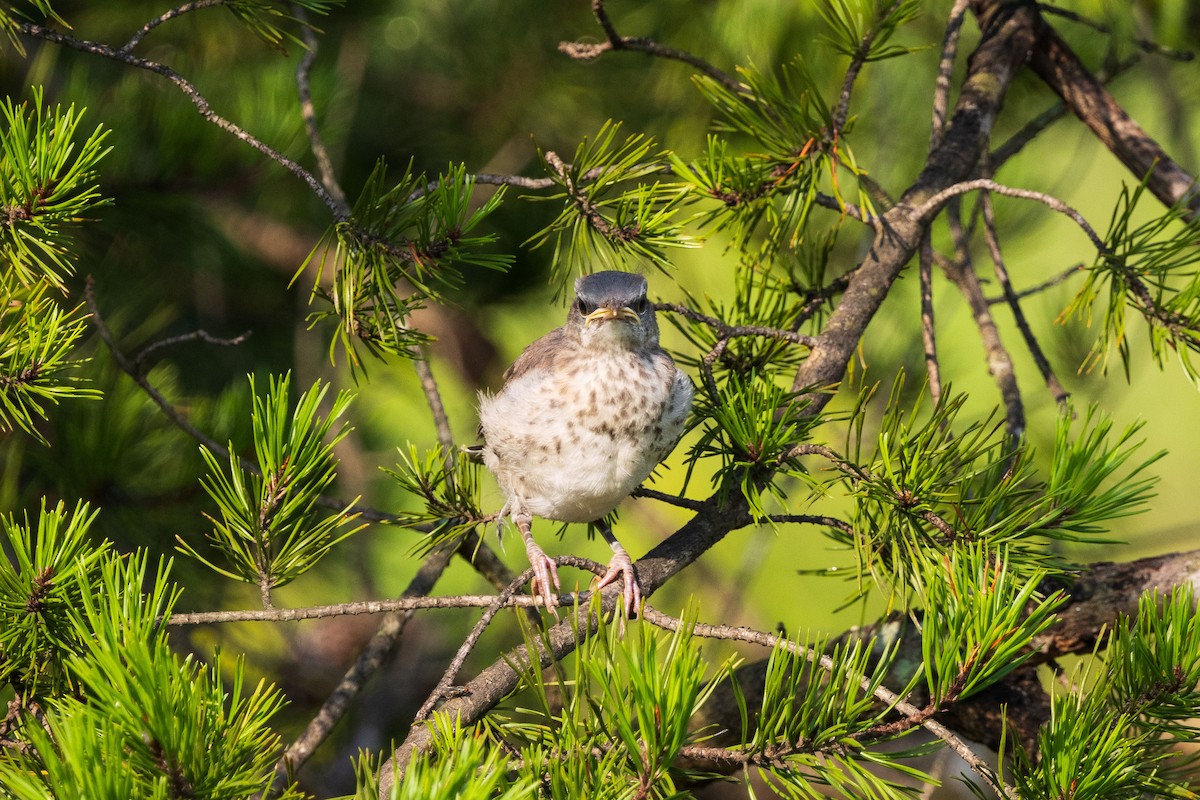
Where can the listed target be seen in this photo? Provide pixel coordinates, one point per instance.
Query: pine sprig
(1113, 735)
(853, 23)
(621, 714)
(268, 531)
(765, 197)
(47, 186)
(268, 20)
(140, 720)
(37, 343)
(1151, 269)
(611, 217)
(39, 590)
(10, 16)
(404, 244)
(751, 425)
(933, 484)
(449, 492)
(979, 621)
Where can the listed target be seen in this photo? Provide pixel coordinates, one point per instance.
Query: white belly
(572, 452)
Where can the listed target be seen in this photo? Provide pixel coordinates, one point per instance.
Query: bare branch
(167, 16)
(1145, 45)
(1059, 394)
(933, 370)
(934, 203)
(941, 90)
(378, 651)
(1056, 64)
(192, 93)
(308, 112)
(584, 51)
(1038, 288)
(201, 335)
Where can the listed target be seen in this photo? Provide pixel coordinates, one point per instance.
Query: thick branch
(717, 517)
(1008, 34)
(1057, 65)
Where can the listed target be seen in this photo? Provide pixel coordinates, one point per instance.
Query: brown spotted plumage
(585, 414)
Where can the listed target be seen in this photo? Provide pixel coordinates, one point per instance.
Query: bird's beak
(604, 314)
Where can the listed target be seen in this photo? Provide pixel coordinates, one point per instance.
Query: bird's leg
(545, 573)
(620, 566)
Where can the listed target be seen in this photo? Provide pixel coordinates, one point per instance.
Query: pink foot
(621, 566)
(545, 577)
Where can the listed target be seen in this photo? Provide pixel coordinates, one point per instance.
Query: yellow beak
(603, 314)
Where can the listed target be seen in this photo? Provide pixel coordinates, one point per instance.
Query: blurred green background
(206, 233)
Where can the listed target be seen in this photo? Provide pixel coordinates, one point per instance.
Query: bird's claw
(545, 584)
(621, 566)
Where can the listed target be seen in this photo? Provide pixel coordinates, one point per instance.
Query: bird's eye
(582, 306)
(640, 306)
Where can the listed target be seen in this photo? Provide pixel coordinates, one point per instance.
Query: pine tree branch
(999, 362)
(1038, 288)
(308, 112)
(1007, 36)
(378, 651)
(585, 51)
(1057, 391)
(718, 516)
(167, 16)
(1096, 598)
(933, 370)
(1058, 66)
(913, 714)
(941, 90)
(192, 93)
(1154, 48)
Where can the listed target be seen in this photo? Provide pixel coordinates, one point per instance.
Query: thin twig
(812, 519)
(201, 335)
(1035, 349)
(1145, 45)
(378, 650)
(501, 601)
(893, 700)
(585, 51)
(1015, 143)
(934, 203)
(933, 369)
(132, 369)
(726, 331)
(1038, 288)
(433, 398)
(999, 362)
(670, 499)
(941, 91)
(856, 64)
(167, 16)
(193, 94)
(308, 112)
(361, 607)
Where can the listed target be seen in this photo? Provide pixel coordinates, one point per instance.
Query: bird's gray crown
(612, 289)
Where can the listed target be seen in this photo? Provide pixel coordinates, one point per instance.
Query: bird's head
(611, 310)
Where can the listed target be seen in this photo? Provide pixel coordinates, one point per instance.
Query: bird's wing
(539, 355)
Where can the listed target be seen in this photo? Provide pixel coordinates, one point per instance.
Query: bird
(583, 417)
